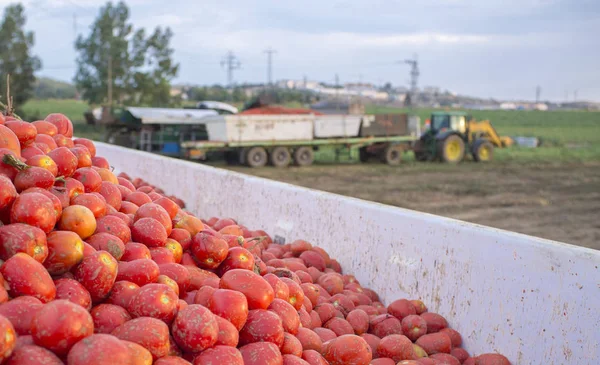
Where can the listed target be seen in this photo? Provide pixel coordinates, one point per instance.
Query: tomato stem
(11, 160)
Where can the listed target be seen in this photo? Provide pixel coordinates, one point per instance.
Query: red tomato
(178, 273)
(99, 349)
(121, 293)
(18, 271)
(220, 355)
(8, 339)
(154, 300)
(228, 334)
(32, 354)
(100, 162)
(257, 291)
(155, 211)
(136, 251)
(261, 353)
(348, 350)
(140, 272)
(44, 162)
(90, 179)
(288, 315)
(107, 317)
(9, 140)
(195, 328)
(44, 127)
(34, 209)
(74, 292)
(97, 273)
(19, 237)
(111, 194)
(65, 160)
(237, 258)
(87, 144)
(231, 305)
(150, 333)
(150, 232)
(62, 123)
(114, 226)
(262, 326)
(107, 242)
(60, 324)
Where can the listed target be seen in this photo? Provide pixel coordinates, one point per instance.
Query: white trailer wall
(534, 300)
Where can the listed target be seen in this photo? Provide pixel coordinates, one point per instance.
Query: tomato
(65, 250)
(313, 358)
(209, 251)
(288, 315)
(97, 273)
(154, 300)
(24, 131)
(163, 279)
(18, 271)
(107, 242)
(384, 325)
(8, 339)
(90, 179)
(106, 175)
(32, 354)
(178, 273)
(182, 236)
(155, 211)
(62, 123)
(46, 140)
(34, 209)
(139, 355)
(231, 305)
(87, 144)
(33, 177)
(140, 272)
(107, 317)
(168, 205)
(74, 292)
(228, 334)
(175, 248)
(162, 255)
(121, 293)
(150, 333)
(262, 326)
(100, 162)
(94, 202)
(44, 162)
(219, 355)
(59, 325)
(111, 194)
(195, 328)
(172, 360)
(84, 158)
(258, 292)
(261, 353)
(126, 183)
(20, 312)
(128, 208)
(115, 226)
(9, 140)
(237, 258)
(63, 141)
(150, 232)
(65, 160)
(78, 219)
(43, 127)
(62, 194)
(348, 350)
(19, 237)
(136, 251)
(138, 198)
(190, 224)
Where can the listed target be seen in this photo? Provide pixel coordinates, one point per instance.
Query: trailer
(534, 300)
(255, 140)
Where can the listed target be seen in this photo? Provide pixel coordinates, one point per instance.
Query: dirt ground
(559, 202)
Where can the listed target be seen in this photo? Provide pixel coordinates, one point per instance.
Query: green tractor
(453, 134)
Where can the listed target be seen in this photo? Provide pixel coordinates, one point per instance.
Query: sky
(485, 48)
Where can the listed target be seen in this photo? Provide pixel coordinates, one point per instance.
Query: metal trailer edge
(534, 300)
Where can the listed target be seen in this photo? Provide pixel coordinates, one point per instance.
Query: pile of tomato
(98, 268)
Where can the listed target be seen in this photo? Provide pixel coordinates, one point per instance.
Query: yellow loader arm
(484, 129)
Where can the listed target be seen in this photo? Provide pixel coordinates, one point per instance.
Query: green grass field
(565, 135)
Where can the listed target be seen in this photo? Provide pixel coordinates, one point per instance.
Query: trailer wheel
(304, 156)
(256, 157)
(392, 154)
(280, 157)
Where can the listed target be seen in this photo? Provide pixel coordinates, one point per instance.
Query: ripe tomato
(150, 333)
(115, 226)
(195, 328)
(19, 237)
(97, 273)
(78, 219)
(261, 353)
(44, 127)
(150, 232)
(258, 292)
(65, 250)
(74, 292)
(231, 305)
(84, 158)
(8, 339)
(65, 160)
(62, 123)
(140, 272)
(154, 300)
(60, 324)
(107, 317)
(18, 271)
(155, 211)
(44, 162)
(262, 326)
(220, 355)
(9, 140)
(209, 251)
(121, 293)
(87, 144)
(34, 209)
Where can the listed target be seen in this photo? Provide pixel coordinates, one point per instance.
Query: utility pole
(538, 93)
(231, 63)
(110, 81)
(270, 53)
(414, 77)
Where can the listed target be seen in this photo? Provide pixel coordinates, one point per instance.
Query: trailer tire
(243, 152)
(392, 154)
(280, 157)
(256, 157)
(304, 156)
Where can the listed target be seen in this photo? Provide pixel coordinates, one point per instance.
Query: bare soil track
(555, 201)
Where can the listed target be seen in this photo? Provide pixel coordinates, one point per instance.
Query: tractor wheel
(256, 157)
(280, 157)
(483, 151)
(451, 149)
(304, 156)
(392, 154)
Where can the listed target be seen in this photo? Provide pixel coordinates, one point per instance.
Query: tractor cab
(453, 121)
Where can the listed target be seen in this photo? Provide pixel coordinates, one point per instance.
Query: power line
(231, 63)
(270, 53)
